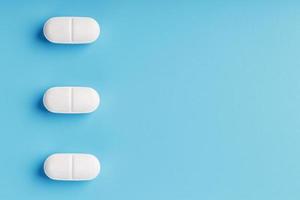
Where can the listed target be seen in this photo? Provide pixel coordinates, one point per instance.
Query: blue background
(200, 100)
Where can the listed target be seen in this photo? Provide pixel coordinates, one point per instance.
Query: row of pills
(71, 100)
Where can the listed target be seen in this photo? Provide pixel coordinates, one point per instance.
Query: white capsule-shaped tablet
(71, 100)
(72, 167)
(71, 30)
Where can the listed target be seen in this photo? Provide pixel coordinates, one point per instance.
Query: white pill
(72, 167)
(71, 100)
(71, 30)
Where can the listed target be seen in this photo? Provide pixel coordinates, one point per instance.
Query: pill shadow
(40, 35)
(40, 105)
(40, 172)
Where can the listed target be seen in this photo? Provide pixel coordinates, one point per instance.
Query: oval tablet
(71, 30)
(71, 100)
(72, 167)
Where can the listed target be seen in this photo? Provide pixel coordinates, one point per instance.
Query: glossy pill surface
(71, 100)
(72, 167)
(71, 30)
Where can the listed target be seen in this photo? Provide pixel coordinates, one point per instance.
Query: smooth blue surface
(200, 100)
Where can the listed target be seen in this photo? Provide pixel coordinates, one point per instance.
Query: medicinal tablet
(72, 167)
(71, 30)
(71, 100)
